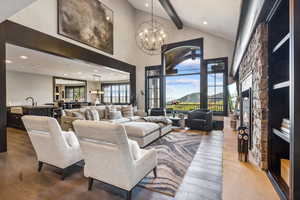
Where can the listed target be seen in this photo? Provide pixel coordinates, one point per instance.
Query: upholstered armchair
(112, 158)
(200, 119)
(52, 145)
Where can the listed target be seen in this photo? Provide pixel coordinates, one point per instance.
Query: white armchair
(112, 158)
(52, 145)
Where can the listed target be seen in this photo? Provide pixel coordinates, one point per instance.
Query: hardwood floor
(20, 180)
(242, 181)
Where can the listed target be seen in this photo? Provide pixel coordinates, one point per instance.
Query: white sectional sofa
(136, 125)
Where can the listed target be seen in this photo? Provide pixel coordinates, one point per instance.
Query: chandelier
(151, 36)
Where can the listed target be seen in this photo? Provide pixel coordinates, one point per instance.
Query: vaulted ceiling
(217, 17)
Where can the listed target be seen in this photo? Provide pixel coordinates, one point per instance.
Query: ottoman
(142, 132)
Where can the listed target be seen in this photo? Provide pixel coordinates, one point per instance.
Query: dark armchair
(157, 112)
(200, 120)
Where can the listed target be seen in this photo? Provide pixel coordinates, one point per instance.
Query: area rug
(175, 153)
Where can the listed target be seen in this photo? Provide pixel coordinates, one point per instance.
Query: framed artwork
(87, 21)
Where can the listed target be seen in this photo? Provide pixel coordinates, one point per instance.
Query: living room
(152, 99)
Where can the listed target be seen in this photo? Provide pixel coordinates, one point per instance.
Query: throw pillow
(101, 112)
(92, 114)
(134, 149)
(127, 111)
(108, 109)
(79, 115)
(69, 113)
(115, 115)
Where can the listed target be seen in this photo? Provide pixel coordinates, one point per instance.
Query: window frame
(118, 96)
(224, 85)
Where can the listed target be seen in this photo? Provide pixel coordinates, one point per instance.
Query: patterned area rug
(175, 154)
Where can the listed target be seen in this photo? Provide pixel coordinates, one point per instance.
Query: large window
(183, 67)
(116, 93)
(216, 85)
(187, 82)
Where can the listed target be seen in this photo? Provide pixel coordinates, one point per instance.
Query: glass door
(153, 78)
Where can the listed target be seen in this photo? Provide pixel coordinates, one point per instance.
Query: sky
(179, 86)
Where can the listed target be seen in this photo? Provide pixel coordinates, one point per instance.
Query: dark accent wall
(3, 117)
(22, 36)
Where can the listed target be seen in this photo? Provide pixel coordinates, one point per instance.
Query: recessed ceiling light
(8, 61)
(147, 4)
(205, 23)
(65, 74)
(107, 18)
(24, 57)
(79, 72)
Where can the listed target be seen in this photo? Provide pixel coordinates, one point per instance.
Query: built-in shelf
(279, 185)
(281, 85)
(282, 42)
(282, 135)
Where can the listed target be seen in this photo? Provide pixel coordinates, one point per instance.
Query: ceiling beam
(166, 4)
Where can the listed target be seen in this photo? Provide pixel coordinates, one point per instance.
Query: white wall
(92, 85)
(42, 16)
(20, 85)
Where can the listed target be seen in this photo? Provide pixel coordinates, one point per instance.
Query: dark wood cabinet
(283, 144)
(14, 120)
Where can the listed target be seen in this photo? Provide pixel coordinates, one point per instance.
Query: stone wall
(255, 61)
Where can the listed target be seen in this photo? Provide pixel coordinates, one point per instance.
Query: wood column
(3, 120)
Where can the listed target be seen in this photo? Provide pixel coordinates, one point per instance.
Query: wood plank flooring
(242, 181)
(19, 179)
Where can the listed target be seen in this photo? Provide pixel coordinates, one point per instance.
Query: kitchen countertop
(33, 107)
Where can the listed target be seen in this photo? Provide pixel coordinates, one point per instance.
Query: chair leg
(155, 172)
(40, 165)
(91, 181)
(129, 195)
(63, 174)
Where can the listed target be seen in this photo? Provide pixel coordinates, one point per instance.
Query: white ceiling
(222, 16)
(11, 7)
(47, 64)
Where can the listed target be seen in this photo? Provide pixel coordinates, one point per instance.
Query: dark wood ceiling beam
(166, 4)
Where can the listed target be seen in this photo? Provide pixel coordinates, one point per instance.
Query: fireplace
(247, 113)
(246, 106)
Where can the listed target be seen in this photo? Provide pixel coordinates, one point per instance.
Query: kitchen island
(15, 113)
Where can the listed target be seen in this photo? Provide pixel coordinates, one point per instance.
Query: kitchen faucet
(32, 100)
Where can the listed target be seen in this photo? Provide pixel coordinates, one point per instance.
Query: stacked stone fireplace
(254, 63)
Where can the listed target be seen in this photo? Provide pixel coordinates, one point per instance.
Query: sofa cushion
(79, 115)
(134, 149)
(140, 129)
(108, 109)
(101, 112)
(121, 120)
(92, 114)
(134, 118)
(127, 111)
(115, 115)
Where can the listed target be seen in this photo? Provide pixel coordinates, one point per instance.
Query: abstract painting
(86, 21)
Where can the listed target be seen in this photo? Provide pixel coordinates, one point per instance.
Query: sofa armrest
(66, 122)
(140, 113)
(145, 164)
